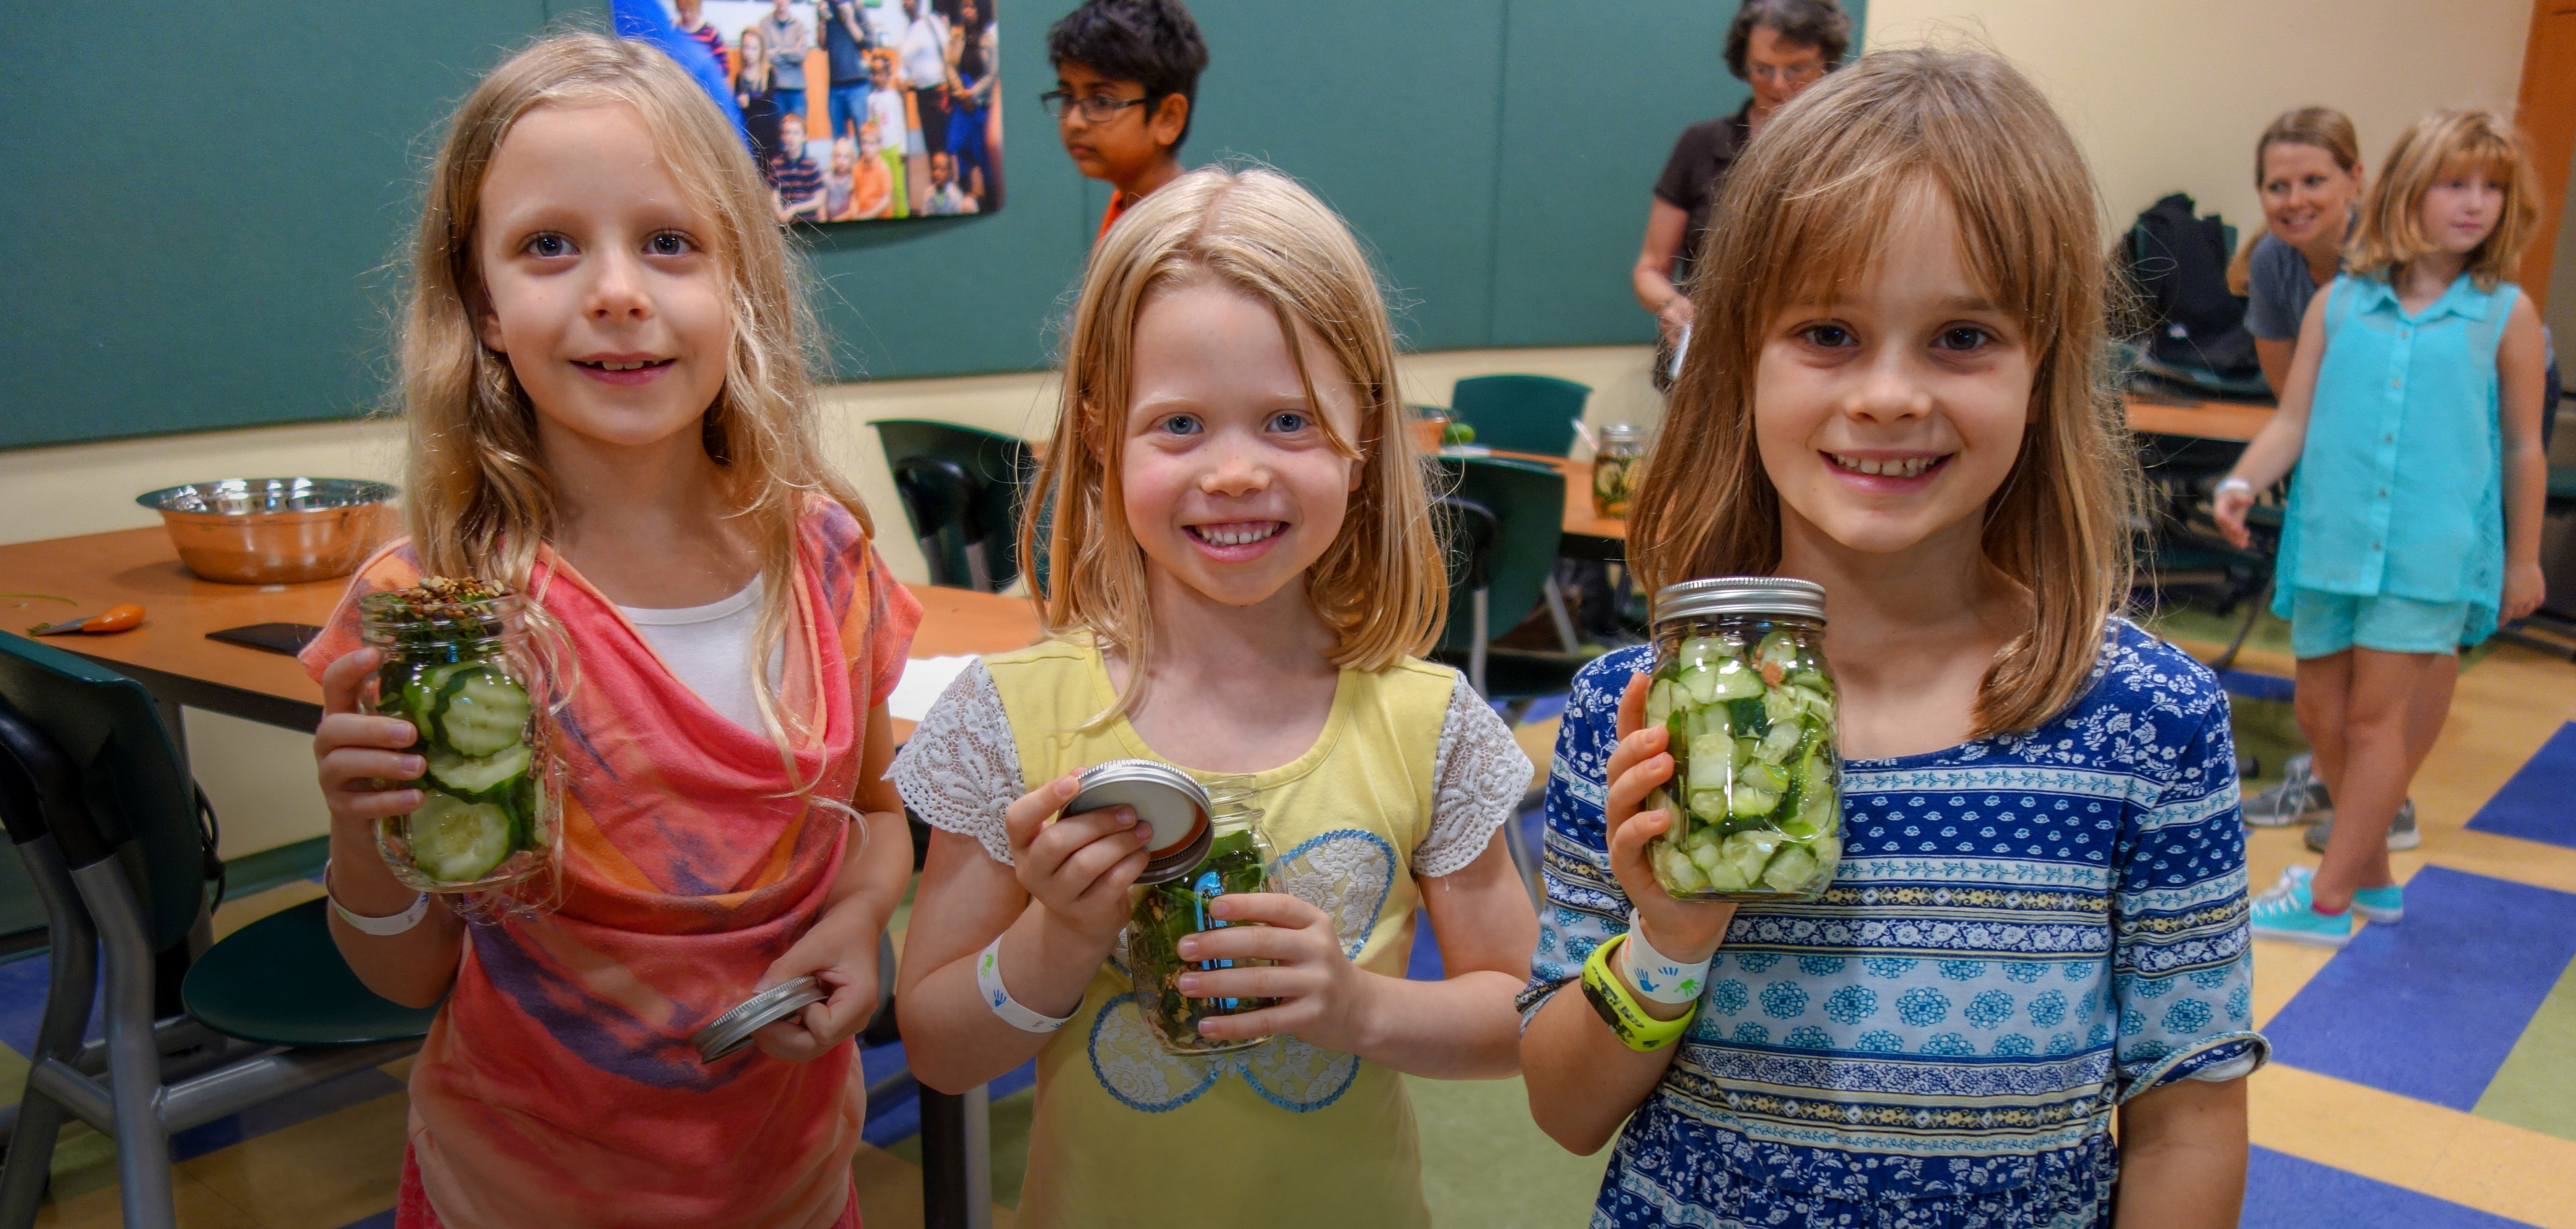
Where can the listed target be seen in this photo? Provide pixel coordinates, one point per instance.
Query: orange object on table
(117, 619)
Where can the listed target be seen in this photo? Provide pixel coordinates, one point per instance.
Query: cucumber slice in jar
(482, 711)
(1708, 855)
(1659, 701)
(1712, 760)
(1727, 876)
(1777, 649)
(1792, 869)
(1780, 706)
(456, 841)
(1766, 777)
(1680, 874)
(478, 774)
(1704, 651)
(1780, 742)
(1750, 802)
(1748, 852)
(1708, 805)
(1736, 681)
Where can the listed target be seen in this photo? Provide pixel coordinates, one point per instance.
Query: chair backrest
(1520, 413)
(118, 787)
(1469, 530)
(1527, 504)
(998, 468)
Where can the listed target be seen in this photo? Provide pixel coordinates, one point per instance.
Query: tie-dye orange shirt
(557, 1085)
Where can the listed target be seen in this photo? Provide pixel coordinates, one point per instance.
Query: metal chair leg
(72, 979)
(2262, 601)
(956, 1159)
(1476, 651)
(1556, 614)
(979, 572)
(133, 1062)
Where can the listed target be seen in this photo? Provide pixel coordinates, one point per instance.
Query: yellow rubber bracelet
(1619, 1009)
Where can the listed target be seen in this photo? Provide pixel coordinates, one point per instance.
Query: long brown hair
(1380, 586)
(2390, 234)
(2323, 127)
(1806, 208)
(480, 501)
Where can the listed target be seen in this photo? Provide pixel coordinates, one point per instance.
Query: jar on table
(1740, 683)
(1614, 469)
(456, 668)
(1206, 844)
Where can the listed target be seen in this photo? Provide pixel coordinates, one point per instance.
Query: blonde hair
(480, 502)
(1810, 203)
(1380, 586)
(2391, 234)
(2323, 127)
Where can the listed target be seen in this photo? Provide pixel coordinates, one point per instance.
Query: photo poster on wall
(856, 110)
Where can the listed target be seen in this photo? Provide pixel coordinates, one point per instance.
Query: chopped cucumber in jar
(478, 774)
(1754, 800)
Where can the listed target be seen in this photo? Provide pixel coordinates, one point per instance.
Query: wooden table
(170, 654)
(2232, 421)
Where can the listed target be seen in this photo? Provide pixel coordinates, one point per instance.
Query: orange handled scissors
(117, 619)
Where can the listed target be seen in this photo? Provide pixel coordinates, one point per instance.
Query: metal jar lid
(1772, 597)
(1170, 800)
(1621, 433)
(732, 1030)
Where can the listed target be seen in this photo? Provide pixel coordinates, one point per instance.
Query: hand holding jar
(1685, 930)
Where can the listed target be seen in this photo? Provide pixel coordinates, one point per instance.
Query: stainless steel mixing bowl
(270, 531)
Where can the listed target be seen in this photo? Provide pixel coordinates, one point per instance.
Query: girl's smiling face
(2307, 197)
(597, 282)
(1892, 412)
(1228, 478)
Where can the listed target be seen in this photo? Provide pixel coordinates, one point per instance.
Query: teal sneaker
(2380, 905)
(2284, 912)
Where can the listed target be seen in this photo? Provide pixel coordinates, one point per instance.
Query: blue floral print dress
(2026, 931)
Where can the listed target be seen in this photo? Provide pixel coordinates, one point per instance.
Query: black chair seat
(281, 981)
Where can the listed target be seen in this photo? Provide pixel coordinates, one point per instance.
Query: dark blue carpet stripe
(1424, 963)
(381, 1220)
(2254, 686)
(2284, 1192)
(22, 1002)
(899, 1118)
(2539, 803)
(2429, 1008)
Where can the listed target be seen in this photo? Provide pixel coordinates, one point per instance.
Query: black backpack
(2178, 263)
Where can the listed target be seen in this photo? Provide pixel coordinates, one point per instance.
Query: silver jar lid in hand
(1171, 801)
(732, 1030)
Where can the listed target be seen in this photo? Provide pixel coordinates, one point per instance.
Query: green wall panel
(198, 207)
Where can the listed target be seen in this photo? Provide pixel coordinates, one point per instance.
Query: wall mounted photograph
(858, 110)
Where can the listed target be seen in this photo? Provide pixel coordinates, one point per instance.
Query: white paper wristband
(393, 925)
(988, 978)
(2235, 484)
(1658, 977)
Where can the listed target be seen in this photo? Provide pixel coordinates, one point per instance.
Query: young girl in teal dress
(2413, 414)
(2037, 925)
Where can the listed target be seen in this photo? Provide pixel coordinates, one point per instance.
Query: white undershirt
(709, 648)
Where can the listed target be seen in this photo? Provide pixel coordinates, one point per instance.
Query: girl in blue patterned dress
(2413, 413)
(2039, 921)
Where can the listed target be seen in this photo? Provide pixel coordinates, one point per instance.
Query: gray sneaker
(2299, 798)
(2401, 834)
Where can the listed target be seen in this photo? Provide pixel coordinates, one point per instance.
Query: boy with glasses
(1126, 76)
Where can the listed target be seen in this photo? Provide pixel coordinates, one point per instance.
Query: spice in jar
(1615, 462)
(1225, 854)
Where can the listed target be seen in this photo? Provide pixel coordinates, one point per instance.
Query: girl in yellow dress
(1243, 562)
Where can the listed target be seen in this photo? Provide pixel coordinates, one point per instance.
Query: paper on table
(923, 679)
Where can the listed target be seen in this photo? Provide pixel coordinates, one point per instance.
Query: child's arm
(841, 946)
(1058, 908)
(2522, 368)
(1583, 1080)
(357, 753)
(1459, 1028)
(2182, 1156)
(2276, 447)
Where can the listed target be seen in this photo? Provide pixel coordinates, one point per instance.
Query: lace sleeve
(960, 770)
(1478, 777)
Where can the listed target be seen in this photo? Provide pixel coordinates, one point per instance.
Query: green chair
(1520, 413)
(107, 824)
(1498, 574)
(961, 491)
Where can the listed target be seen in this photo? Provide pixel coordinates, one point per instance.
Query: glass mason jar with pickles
(1740, 683)
(1614, 469)
(455, 667)
(1206, 844)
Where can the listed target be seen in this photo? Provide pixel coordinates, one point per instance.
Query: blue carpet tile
(22, 1002)
(2254, 686)
(2539, 803)
(2284, 1192)
(355, 1088)
(899, 1118)
(2428, 1008)
(381, 1220)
